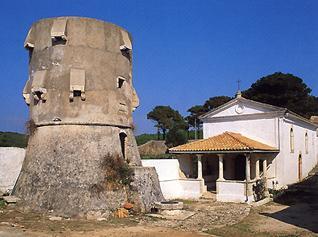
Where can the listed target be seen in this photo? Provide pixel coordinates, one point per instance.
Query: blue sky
(184, 51)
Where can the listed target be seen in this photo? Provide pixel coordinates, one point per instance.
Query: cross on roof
(238, 85)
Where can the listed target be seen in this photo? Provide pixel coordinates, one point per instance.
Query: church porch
(235, 175)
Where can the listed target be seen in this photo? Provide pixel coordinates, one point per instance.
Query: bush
(117, 174)
(2, 204)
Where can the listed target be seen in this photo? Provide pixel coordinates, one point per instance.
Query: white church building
(248, 148)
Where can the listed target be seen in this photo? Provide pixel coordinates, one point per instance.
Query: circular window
(239, 109)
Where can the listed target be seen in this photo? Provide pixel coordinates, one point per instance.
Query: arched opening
(122, 138)
(306, 142)
(291, 140)
(300, 166)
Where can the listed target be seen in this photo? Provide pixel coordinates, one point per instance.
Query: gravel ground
(208, 214)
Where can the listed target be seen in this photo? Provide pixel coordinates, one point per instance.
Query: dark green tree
(215, 102)
(193, 119)
(166, 118)
(284, 90)
(176, 136)
(195, 112)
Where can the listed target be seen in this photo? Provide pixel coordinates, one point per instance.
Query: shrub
(2, 204)
(117, 174)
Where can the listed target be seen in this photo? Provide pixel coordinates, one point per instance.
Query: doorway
(122, 138)
(240, 161)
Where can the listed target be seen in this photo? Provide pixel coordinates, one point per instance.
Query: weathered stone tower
(81, 98)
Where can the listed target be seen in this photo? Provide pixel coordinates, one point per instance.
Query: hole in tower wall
(30, 53)
(120, 82)
(123, 138)
(77, 93)
(58, 41)
(126, 53)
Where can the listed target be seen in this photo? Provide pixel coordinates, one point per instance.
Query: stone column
(248, 186)
(265, 168)
(257, 168)
(199, 166)
(221, 176)
(265, 176)
(248, 168)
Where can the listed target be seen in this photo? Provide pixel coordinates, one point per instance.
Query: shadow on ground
(301, 200)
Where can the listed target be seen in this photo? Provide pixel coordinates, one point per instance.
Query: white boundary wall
(11, 159)
(171, 184)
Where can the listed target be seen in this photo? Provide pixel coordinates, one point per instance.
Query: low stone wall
(234, 191)
(181, 189)
(172, 185)
(167, 169)
(11, 159)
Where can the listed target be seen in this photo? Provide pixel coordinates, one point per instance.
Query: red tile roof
(227, 141)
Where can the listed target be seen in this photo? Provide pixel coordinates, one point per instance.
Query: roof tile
(227, 141)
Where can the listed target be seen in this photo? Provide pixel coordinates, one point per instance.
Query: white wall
(172, 185)
(167, 169)
(289, 173)
(262, 130)
(275, 132)
(11, 159)
(231, 191)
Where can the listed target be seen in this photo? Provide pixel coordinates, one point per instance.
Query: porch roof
(226, 142)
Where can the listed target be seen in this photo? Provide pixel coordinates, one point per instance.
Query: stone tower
(81, 97)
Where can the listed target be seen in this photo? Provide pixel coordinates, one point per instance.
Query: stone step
(208, 195)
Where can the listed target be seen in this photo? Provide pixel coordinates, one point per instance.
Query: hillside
(146, 137)
(12, 139)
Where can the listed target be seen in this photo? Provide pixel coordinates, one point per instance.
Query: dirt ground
(292, 218)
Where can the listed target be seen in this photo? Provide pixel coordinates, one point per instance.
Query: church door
(240, 167)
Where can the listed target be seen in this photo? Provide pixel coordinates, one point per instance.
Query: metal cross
(238, 84)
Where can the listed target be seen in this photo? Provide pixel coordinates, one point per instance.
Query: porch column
(221, 177)
(265, 177)
(265, 168)
(248, 168)
(199, 156)
(257, 168)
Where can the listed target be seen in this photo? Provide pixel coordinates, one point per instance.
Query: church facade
(249, 148)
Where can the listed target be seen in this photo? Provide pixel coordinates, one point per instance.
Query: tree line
(278, 89)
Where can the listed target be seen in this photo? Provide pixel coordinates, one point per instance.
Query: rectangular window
(120, 82)
(77, 83)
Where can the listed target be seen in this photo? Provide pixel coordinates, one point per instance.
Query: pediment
(241, 106)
